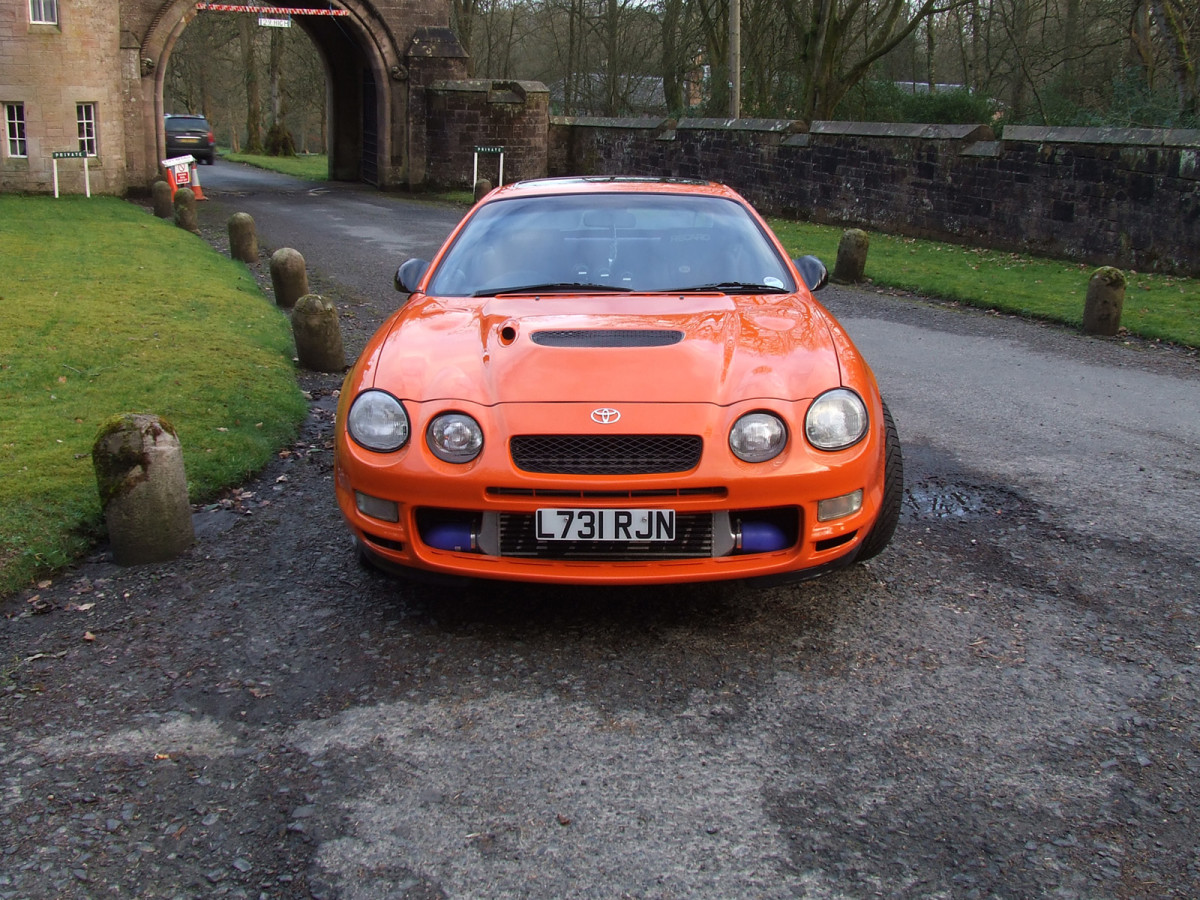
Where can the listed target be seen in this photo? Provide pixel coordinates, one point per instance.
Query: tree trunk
(275, 77)
(463, 19)
(612, 69)
(1169, 17)
(714, 23)
(672, 65)
(253, 100)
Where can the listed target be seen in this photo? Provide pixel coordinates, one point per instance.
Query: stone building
(62, 89)
(87, 76)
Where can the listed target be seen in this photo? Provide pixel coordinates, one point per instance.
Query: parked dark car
(190, 134)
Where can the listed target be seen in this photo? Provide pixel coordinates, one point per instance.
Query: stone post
(185, 210)
(289, 278)
(1105, 301)
(161, 193)
(143, 489)
(483, 187)
(851, 257)
(243, 238)
(318, 334)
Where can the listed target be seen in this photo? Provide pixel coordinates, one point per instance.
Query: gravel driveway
(1003, 704)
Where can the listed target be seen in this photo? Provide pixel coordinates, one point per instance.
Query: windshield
(614, 242)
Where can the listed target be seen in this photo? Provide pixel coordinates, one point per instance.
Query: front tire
(893, 493)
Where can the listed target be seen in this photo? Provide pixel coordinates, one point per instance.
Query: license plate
(626, 525)
(189, 140)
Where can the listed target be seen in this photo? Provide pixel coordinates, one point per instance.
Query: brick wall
(1128, 197)
(462, 115)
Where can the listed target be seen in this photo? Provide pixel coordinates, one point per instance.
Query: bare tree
(839, 41)
(674, 55)
(202, 72)
(1179, 31)
(254, 142)
(463, 14)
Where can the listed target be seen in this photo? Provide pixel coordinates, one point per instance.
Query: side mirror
(813, 271)
(409, 275)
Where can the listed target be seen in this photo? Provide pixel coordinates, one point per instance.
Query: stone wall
(1127, 197)
(463, 115)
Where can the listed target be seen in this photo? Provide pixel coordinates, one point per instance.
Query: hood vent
(608, 337)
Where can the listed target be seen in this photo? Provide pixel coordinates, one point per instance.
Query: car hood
(708, 348)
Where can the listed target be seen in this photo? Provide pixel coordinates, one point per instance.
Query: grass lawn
(1162, 307)
(309, 166)
(108, 310)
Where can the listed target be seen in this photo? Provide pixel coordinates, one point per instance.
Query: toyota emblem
(605, 415)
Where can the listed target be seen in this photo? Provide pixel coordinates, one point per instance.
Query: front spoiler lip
(446, 579)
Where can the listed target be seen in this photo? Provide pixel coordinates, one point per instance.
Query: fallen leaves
(38, 606)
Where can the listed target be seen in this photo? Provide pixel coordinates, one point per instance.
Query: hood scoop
(608, 337)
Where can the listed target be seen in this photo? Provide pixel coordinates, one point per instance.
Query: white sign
(274, 23)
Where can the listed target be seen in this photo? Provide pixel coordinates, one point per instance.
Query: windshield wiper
(554, 287)
(731, 287)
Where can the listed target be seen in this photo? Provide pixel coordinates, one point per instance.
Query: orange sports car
(615, 381)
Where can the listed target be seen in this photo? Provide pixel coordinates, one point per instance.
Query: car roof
(613, 184)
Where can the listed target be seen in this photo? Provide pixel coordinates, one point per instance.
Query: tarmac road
(1003, 704)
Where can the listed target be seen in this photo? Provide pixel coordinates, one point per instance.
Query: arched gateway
(108, 61)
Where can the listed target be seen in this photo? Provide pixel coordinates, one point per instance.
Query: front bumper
(475, 520)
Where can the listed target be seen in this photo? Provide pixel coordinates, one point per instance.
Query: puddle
(934, 500)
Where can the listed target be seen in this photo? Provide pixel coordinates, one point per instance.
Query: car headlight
(836, 420)
(757, 437)
(454, 437)
(378, 421)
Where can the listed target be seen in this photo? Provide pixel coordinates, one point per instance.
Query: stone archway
(376, 64)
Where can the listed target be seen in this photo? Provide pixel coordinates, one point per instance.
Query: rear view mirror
(409, 275)
(813, 271)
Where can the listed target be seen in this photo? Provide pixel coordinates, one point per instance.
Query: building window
(43, 12)
(14, 126)
(85, 115)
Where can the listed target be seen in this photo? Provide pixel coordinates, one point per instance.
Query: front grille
(693, 540)
(608, 337)
(594, 454)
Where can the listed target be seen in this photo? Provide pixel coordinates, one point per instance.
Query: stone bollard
(1105, 300)
(143, 489)
(851, 257)
(243, 238)
(288, 277)
(482, 188)
(185, 210)
(318, 334)
(161, 193)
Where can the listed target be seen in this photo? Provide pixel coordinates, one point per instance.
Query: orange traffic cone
(196, 183)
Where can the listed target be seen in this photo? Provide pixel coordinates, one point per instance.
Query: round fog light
(757, 437)
(454, 437)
